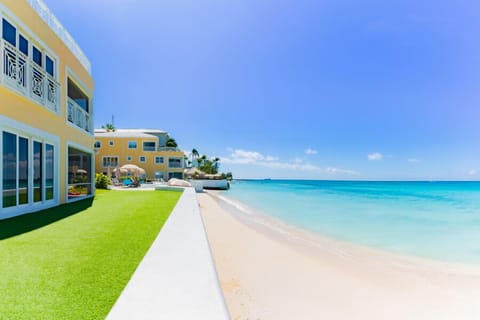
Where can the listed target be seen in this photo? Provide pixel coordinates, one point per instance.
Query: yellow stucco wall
(22, 109)
(120, 149)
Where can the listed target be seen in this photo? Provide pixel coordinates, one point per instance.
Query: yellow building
(144, 148)
(46, 127)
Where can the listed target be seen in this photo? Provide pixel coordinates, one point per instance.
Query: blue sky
(293, 88)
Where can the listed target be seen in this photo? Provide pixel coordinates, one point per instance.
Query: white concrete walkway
(177, 277)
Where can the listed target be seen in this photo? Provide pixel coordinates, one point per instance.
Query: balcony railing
(21, 74)
(166, 149)
(78, 116)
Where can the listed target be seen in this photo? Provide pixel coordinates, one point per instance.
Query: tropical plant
(171, 143)
(101, 181)
(109, 127)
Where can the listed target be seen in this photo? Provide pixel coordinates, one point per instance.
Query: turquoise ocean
(435, 220)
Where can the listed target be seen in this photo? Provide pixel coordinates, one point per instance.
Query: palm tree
(109, 127)
(194, 155)
(216, 163)
(201, 161)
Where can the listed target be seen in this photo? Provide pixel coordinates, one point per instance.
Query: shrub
(101, 181)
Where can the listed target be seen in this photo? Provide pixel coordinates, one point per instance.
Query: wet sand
(269, 270)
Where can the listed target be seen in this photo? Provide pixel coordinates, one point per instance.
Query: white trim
(114, 156)
(32, 35)
(182, 164)
(32, 134)
(33, 40)
(49, 18)
(159, 163)
(69, 73)
(139, 160)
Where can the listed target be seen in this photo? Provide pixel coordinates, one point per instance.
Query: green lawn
(73, 261)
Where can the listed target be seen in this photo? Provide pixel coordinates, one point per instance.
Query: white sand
(268, 274)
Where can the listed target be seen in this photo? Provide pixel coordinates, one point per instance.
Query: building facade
(144, 148)
(46, 127)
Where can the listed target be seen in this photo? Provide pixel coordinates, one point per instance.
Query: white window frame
(182, 165)
(111, 157)
(28, 34)
(160, 157)
(32, 134)
(92, 170)
(136, 144)
(70, 74)
(140, 159)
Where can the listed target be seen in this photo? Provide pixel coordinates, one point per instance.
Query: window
(149, 146)
(142, 159)
(9, 33)
(158, 160)
(159, 175)
(49, 171)
(111, 143)
(37, 56)
(9, 169)
(23, 170)
(176, 175)
(23, 45)
(129, 158)
(18, 168)
(132, 144)
(49, 66)
(175, 163)
(37, 171)
(77, 95)
(109, 161)
(79, 173)
(97, 145)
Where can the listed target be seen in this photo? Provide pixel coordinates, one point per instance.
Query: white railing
(166, 149)
(78, 116)
(21, 74)
(44, 12)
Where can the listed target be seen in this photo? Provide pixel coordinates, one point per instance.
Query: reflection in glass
(49, 171)
(22, 170)
(79, 173)
(9, 182)
(37, 171)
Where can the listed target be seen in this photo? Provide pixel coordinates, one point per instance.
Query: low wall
(177, 277)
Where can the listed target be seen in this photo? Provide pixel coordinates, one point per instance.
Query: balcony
(21, 74)
(168, 149)
(78, 116)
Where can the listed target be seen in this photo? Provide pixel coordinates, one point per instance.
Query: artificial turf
(73, 261)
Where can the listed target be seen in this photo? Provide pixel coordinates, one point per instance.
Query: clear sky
(331, 89)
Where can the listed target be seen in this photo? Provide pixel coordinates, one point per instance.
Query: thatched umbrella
(133, 169)
(190, 172)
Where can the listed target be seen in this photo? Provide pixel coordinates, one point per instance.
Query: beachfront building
(144, 148)
(46, 91)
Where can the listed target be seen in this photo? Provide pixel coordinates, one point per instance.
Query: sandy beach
(284, 273)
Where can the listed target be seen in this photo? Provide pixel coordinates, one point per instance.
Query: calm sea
(439, 220)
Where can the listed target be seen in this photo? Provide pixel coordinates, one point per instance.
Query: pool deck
(177, 277)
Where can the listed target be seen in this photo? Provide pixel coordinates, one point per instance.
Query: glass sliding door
(9, 183)
(79, 173)
(22, 170)
(37, 171)
(49, 171)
